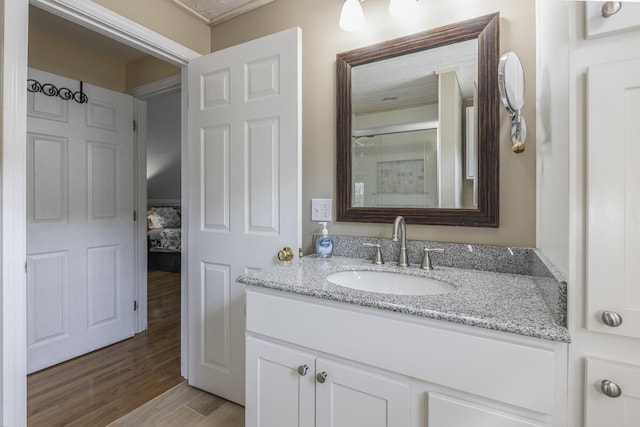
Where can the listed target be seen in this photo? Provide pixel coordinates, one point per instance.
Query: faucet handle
(426, 259)
(377, 258)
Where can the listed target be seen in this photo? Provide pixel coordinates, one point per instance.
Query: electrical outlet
(320, 209)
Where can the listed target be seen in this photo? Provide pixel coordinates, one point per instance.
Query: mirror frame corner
(486, 30)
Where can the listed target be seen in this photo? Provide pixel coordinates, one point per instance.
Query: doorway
(142, 196)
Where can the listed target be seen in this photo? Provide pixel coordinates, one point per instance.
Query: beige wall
(56, 56)
(166, 18)
(322, 39)
(147, 70)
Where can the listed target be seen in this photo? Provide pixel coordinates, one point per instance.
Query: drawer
(601, 410)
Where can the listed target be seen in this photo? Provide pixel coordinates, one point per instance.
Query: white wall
(552, 123)
(163, 147)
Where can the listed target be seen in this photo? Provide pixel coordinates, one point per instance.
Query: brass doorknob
(285, 254)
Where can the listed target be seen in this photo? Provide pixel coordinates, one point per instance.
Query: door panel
(47, 298)
(49, 178)
(216, 303)
(350, 397)
(243, 161)
(291, 372)
(613, 197)
(80, 229)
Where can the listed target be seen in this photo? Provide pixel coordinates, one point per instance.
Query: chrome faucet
(399, 226)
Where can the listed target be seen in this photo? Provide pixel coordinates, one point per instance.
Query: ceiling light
(351, 17)
(403, 8)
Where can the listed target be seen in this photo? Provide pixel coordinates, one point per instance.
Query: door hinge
(135, 215)
(135, 305)
(25, 267)
(135, 125)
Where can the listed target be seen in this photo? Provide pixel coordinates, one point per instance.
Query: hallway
(100, 387)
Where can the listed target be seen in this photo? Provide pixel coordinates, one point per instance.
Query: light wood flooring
(100, 387)
(184, 406)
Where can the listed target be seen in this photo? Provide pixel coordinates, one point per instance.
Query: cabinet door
(349, 397)
(602, 410)
(280, 391)
(445, 411)
(613, 193)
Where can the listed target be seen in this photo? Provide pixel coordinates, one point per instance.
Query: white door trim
(160, 87)
(140, 205)
(14, 216)
(106, 22)
(13, 168)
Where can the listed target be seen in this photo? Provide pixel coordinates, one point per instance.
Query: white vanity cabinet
(288, 387)
(389, 369)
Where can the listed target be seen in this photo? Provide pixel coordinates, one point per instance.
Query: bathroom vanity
(491, 352)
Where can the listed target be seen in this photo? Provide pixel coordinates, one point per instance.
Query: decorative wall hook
(49, 89)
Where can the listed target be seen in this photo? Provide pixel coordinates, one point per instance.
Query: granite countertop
(503, 302)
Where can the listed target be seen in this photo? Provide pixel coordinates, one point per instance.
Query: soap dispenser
(324, 243)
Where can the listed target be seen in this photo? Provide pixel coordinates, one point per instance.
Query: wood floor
(184, 406)
(100, 387)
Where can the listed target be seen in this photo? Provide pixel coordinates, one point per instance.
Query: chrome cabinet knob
(610, 388)
(610, 8)
(321, 377)
(302, 370)
(611, 318)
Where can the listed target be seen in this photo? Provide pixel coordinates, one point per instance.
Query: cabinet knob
(321, 377)
(302, 370)
(611, 318)
(610, 388)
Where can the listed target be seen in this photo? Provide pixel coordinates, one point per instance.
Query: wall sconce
(352, 16)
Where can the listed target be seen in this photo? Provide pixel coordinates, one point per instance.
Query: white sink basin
(389, 283)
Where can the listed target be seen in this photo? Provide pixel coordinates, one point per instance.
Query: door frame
(15, 19)
(141, 95)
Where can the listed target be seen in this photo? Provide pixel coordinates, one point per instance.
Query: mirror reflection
(413, 129)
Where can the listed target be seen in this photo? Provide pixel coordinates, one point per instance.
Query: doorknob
(321, 377)
(611, 318)
(285, 254)
(610, 388)
(302, 370)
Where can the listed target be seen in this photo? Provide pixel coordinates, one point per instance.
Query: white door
(80, 232)
(244, 193)
(613, 197)
(281, 386)
(350, 397)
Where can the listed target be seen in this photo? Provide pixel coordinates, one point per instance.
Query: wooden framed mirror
(444, 178)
